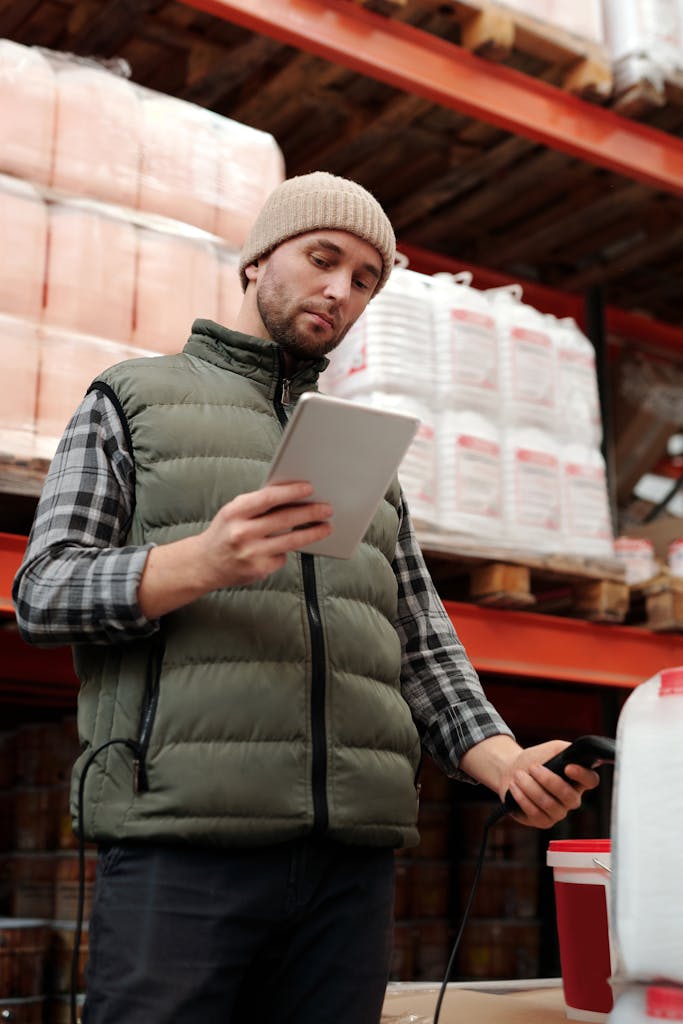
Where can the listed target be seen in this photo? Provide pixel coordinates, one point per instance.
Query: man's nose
(338, 285)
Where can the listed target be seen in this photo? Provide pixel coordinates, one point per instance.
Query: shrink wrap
(27, 112)
(97, 138)
(86, 130)
(250, 166)
(229, 287)
(90, 272)
(179, 170)
(23, 248)
(18, 386)
(177, 282)
(69, 362)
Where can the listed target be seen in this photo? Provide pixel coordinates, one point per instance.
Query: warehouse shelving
(554, 657)
(507, 643)
(421, 64)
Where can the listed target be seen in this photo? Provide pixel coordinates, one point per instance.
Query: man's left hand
(543, 797)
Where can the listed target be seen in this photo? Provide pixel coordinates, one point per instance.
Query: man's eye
(319, 261)
(361, 284)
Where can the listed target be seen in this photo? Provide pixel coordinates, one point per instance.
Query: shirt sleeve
(438, 681)
(78, 581)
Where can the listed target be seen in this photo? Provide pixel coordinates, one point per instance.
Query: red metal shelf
(417, 62)
(508, 643)
(12, 549)
(550, 647)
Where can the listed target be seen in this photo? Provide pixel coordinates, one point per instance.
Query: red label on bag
(664, 1003)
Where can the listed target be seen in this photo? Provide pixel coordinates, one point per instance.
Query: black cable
(132, 745)
(499, 813)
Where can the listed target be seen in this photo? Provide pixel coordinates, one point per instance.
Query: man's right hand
(247, 540)
(251, 536)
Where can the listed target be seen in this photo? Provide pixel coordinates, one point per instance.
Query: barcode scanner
(588, 751)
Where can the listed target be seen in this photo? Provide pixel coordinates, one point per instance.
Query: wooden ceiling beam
(456, 182)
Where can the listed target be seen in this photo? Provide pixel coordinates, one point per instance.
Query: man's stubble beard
(282, 329)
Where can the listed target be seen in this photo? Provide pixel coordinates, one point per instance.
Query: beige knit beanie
(319, 200)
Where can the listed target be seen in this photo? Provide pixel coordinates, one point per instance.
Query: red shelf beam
(498, 641)
(12, 549)
(565, 650)
(417, 62)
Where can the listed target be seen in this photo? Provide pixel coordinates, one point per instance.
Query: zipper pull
(286, 384)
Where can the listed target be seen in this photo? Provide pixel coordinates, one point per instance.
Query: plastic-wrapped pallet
(230, 292)
(18, 386)
(86, 130)
(97, 137)
(177, 281)
(179, 170)
(203, 169)
(27, 112)
(126, 144)
(645, 41)
(69, 362)
(90, 272)
(23, 248)
(250, 166)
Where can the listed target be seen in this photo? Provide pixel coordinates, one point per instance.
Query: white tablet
(350, 454)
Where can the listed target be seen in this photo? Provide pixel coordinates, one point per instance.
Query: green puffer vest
(263, 712)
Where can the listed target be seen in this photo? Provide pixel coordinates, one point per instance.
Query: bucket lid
(664, 1003)
(580, 845)
(671, 681)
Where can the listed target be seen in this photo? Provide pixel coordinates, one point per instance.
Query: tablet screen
(349, 453)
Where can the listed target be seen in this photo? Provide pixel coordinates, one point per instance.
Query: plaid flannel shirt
(77, 584)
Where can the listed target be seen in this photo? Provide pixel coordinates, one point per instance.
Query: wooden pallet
(657, 604)
(587, 588)
(501, 34)
(23, 477)
(645, 100)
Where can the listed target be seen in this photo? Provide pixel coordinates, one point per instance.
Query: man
(252, 717)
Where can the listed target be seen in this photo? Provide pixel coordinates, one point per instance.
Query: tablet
(350, 454)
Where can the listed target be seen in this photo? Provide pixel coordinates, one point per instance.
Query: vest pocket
(148, 714)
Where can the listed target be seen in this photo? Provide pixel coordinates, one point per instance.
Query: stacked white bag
(123, 214)
(531, 451)
(587, 526)
(469, 459)
(554, 474)
(387, 361)
(509, 449)
(645, 42)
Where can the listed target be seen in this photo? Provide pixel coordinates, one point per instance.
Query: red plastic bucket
(581, 879)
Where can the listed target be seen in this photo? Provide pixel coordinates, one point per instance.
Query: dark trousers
(300, 932)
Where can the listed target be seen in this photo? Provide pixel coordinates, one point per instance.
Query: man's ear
(251, 271)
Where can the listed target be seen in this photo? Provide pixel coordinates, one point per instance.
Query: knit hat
(319, 200)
